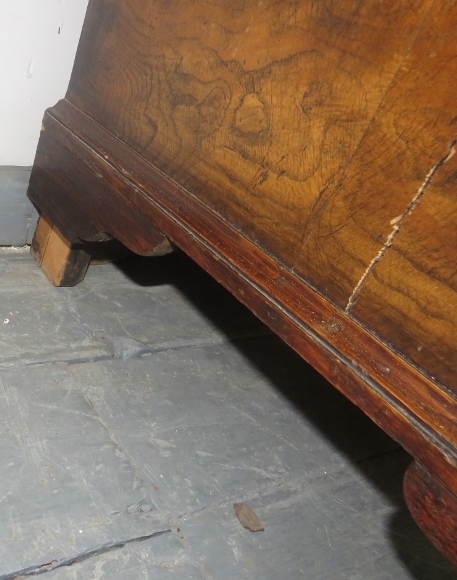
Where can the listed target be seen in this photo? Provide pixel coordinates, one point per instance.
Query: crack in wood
(397, 223)
(81, 557)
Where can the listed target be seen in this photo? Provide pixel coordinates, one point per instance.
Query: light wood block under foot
(63, 263)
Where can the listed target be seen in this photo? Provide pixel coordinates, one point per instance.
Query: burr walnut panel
(256, 108)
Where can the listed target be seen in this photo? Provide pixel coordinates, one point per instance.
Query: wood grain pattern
(40, 239)
(88, 211)
(302, 153)
(433, 508)
(256, 109)
(289, 122)
(410, 407)
(409, 134)
(410, 298)
(63, 263)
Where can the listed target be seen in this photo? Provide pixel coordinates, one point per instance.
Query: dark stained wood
(86, 209)
(296, 151)
(434, 509)
(105, 252)
(408, 406)
(64, 263)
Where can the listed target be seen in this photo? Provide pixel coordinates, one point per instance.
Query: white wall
(38, 41)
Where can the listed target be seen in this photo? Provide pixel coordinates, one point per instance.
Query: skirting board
(18, 217)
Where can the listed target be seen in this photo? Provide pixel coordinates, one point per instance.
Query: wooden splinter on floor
(248, 518)
(63, 263)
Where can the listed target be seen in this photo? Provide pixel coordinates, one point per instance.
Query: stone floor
(137, 407)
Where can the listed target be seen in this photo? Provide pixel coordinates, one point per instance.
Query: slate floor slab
(331, 526)
(147, 399)
(203, 423)
(143, 307)
(65, 485)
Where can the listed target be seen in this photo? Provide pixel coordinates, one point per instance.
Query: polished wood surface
(410, 296)
(309, 127)
(433, 508)
(303, 154)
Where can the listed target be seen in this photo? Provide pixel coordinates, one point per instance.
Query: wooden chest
(303, 153)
